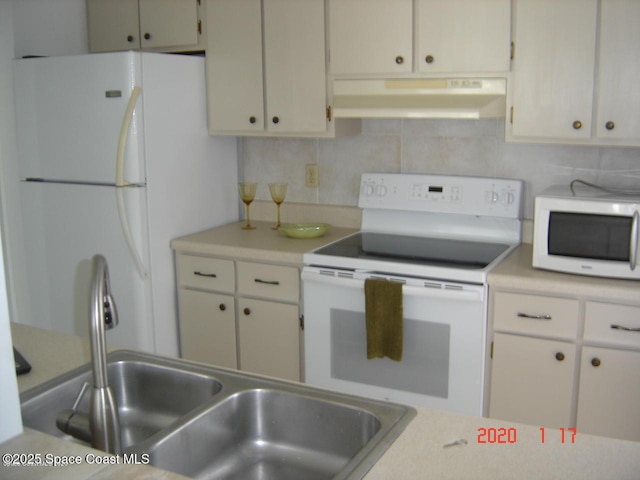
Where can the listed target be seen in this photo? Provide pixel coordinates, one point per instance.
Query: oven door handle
(471, 293)
(633, 242)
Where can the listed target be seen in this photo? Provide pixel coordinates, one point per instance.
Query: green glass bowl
(304, 230)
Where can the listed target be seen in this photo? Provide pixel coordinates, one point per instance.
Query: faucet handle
(110, 311)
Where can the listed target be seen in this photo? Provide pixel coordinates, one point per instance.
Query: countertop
(260, 244)
(516, 272)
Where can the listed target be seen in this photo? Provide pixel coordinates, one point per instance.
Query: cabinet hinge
(513, 50)
(511, 115)
(301, 318)
(199, 27)
(329, 113)
(491, 355)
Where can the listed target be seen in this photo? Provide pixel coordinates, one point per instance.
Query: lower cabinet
(240, 314)
(269, 338)
(208, 327)
(532, 380)
(565, 362)
(609, 400)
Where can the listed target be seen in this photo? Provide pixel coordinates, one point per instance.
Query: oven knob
(508, 198)
(381, 190)
(493, 197)
(368, 189)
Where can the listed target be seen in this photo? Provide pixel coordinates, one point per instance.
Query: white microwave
(586, 234)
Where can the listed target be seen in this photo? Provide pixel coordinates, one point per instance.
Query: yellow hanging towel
(383, 311)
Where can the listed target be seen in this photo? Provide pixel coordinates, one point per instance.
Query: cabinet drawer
(269, 281)
(535, 315)
(206, 273)
(600, 319)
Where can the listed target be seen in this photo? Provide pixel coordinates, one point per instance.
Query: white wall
(11, 423)
(49, 27)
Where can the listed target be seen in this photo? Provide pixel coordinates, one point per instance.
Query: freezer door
(69, 112)
(64, 226)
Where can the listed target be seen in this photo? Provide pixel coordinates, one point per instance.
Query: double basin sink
(211, 423)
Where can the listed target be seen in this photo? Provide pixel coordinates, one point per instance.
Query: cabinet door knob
(147, 36)
(399, 59)
(222, 307)
(609, 125)
(252, 119)
(275, 120)
(247, 311)
(130, 38)
(429, 59)
(577, 125)
(595, 362)
(560, 356)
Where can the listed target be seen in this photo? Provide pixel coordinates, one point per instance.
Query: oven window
(424, 368)
(604, 237)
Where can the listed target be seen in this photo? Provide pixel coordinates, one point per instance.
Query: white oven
(444, 332)
(438, 236)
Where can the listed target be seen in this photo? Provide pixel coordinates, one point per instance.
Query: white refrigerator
(113, 158)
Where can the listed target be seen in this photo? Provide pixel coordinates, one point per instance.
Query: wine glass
(278, 192)
(247, 192)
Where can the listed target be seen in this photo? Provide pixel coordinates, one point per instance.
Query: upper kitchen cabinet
(463, 36)
(377, 37)
(371, 36)
(266, 68)
(157, 25)
(574, 72)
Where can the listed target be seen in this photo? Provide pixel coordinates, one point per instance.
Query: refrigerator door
(69, 112)
(65, 225)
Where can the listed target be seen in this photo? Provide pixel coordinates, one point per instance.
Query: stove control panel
(442, 194)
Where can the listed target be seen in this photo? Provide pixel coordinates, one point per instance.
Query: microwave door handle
(633, 243)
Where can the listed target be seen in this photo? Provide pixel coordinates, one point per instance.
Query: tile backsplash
(453, 147)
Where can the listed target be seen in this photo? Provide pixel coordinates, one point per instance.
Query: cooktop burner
(449, 253)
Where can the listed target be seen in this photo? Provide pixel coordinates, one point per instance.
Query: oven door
(443, 342)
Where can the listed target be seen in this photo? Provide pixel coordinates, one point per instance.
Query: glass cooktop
(462, 254)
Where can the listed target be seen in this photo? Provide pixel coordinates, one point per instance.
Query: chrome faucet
(104, 423)
(102, 427)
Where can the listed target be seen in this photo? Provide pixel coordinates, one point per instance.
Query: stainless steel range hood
(420, 98)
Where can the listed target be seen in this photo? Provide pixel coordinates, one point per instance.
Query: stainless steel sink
(211, 423)
(151, 394)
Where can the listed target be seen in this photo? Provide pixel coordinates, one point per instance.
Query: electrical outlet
(311, 175)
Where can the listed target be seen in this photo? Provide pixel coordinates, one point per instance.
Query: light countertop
(516, 272)
(260, 244)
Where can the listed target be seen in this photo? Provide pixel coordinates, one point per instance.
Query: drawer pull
(247, 311)
(626, 329)
(595, 362)
(200, 274)
(560, 356)
(222, 307)
(534, 317)
(266, 282)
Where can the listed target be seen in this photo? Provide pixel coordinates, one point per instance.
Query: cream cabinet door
(609, 397)
(618, 113)
(269, 338)
(207, 327)
(553, 68)
(166, 23)
(463, 36)
(532, 380)
(113, 25)
(295, 78)
(371, 36)
(234, 66)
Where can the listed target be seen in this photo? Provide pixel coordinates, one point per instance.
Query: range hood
(419, 98)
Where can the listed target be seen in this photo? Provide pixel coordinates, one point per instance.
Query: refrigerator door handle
(120, 182)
